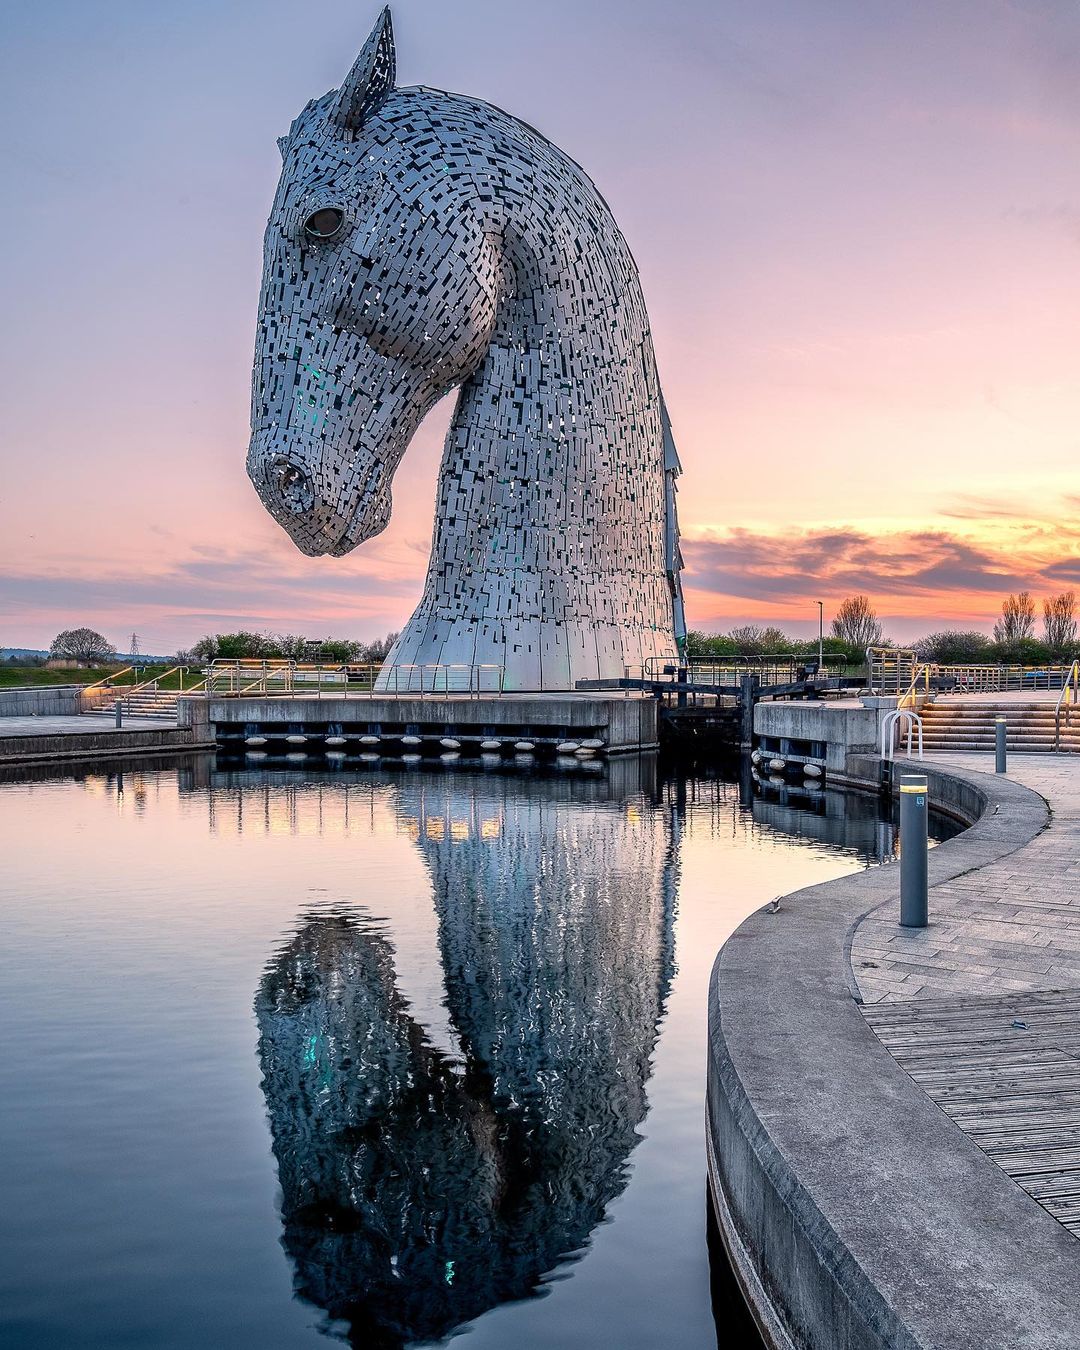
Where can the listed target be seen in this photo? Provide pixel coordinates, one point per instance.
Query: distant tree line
(856, 626)
(245, 646)
(1014, 641)
(87, 647)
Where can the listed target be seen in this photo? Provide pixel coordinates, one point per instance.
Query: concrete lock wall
(845, 730)
(104, 744)
(623, 723)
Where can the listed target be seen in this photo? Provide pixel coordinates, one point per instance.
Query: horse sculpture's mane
(420, 241)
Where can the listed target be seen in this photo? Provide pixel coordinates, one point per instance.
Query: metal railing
(770, 668)
(109, 681)
(979, 678)
(130, 694)
(890, 670)
(898, 671)
(910, 697)
(238, 678)
(1067, 700)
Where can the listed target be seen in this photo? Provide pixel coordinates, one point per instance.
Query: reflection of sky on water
(454, 971)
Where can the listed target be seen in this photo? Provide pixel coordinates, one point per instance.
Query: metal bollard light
(119, 708)
(913, 851)
(1000, 731)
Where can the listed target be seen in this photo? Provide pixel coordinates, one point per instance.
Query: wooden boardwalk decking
(1006, 1070)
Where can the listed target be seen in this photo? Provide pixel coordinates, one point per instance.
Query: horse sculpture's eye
(324, 223)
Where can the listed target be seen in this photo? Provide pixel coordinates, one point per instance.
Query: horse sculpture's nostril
(294, 487)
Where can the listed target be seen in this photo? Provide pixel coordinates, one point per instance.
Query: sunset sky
(858, 229)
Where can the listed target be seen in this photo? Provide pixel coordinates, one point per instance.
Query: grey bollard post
(119, 708)
(1000, 727)
(913, 850)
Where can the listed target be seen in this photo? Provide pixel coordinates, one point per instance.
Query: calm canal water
(374, 1054)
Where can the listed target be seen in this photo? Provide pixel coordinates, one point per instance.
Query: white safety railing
(236, 678)
(892, 725)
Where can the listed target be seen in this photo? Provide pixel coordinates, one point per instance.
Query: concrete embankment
(51, 700)
(74, 740)
(856, 1213)
(622, 724)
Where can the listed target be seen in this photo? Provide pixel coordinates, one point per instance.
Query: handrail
(155, 680)
(276, 676)
(922, 672)
(107, 681)
(1070, 694)
(153, 683)
(653, 667)
(888, 673)
(887, 666)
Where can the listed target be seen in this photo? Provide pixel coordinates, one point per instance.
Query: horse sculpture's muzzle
(317, 524)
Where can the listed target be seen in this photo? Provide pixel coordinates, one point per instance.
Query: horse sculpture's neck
(421, 241)
(553, 554)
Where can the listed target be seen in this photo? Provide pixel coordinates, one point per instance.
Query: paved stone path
(1011, 926)
(77, 725)
(982, 1008)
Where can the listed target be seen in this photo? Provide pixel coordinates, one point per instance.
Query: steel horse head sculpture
(422, 241)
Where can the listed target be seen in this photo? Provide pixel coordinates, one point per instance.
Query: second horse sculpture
(421, 241)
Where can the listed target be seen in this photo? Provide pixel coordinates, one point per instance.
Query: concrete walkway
(982, 1007)
(32, 740)
(77, 726)
(907, 1173)
(1014, 925)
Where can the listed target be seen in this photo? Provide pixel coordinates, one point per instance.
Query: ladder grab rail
(893, 722)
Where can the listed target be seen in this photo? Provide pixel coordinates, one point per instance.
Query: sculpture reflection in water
(420, 1188)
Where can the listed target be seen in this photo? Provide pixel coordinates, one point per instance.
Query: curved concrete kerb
(856, 1213)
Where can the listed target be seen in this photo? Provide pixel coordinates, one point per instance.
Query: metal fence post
(1000, 731)
(748, 687)
(913, 850)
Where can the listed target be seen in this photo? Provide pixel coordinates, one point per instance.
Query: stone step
(1047, 705)
(990, 712)
(1025, 721)
(162, 705)
(965, 725)
(989, 723)
(1035, 732)
(991, 719)
(975, 733)
(961, 743)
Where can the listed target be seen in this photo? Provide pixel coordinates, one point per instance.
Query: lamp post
(821, 638)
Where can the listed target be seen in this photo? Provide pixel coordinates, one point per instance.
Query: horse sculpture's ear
(371, 78)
